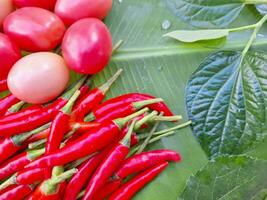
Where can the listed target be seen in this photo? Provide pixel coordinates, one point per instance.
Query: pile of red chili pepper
(82, 147)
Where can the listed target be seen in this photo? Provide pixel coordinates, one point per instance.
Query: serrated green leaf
(198, 35)
(227, 102)
(209, 13)
(228, 178)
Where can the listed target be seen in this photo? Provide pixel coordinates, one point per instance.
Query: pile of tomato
(57, 36)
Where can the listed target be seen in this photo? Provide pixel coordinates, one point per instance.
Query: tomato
(87, 46)
(39, 77)
(34, 29)
(6, 7)
(46, 4)
(9, 54)
(70, 11)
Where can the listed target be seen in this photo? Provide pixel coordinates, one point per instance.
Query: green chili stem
(173, 128)
(117, 46)
(104, 88)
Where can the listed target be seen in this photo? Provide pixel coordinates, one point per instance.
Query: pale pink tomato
(72, 10)
(38, 78)
(34, 29)
(6, 7)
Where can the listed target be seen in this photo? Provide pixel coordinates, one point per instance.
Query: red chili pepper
(52, 189)
(23, 112)
(85, 89)
(128, 190)
(122, 111)
(95, 140)
(144, 161)
(7, 102)
(18, 162)
(93, 98)
(17, 193)
(39, 118)
(10, 145)
(114, 103)
(80, 179)
(3, 85)
(7, 189)
(27, 177)
(109, 165)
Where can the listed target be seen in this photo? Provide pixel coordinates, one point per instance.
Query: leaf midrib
(136, 53)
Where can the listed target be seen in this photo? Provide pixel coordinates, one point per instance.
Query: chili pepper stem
(145, 143)
(19, 139)
(145, 119)
(90, 117)
(68, 107)
(167, 119)
(69, 93)
(76, 163)
(56, 171)
(155, 139)
(140, 104)
(8, 182)
(81, 194)
(37, 144)
(122, 121)
(104, 88)
(173, 128)
(48, 187)
(33, 154)
(126, 141)
(16, 107)
(117, 46)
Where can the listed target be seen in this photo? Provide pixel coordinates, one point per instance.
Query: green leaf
(198, 35)
(209, 13)
(227, 102)
(228, 178)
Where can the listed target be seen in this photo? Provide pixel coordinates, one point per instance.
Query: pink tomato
(46, 4)
(70, 11)
(6, 7)
(87, 46)
(38, 78)
(34, 29)
(9, 54)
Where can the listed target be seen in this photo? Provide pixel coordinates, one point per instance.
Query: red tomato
(46, 4)
(38, 78)
(6, 7)
(34, 29)
(72, 10)
(9, 54)
(87, 46)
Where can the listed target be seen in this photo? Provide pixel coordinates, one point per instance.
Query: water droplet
(160, 68)
(120, 1)
(166, 24)
(260, 35)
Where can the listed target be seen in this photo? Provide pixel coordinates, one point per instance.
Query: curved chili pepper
(85, 89)
(3, 85)
(10, 145)
(52, 189)
(95, 140)
(18, 162)
(27, 177)
(124, 110)
(14, 108)
(39, 118)
(7, 102)
(23, 112)
(7, 189)
(93, 98)
(60, 125)
(17, 193)
(109, 165)
(128, 190)
(146, 160)
(114, 103)
(79, 180)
